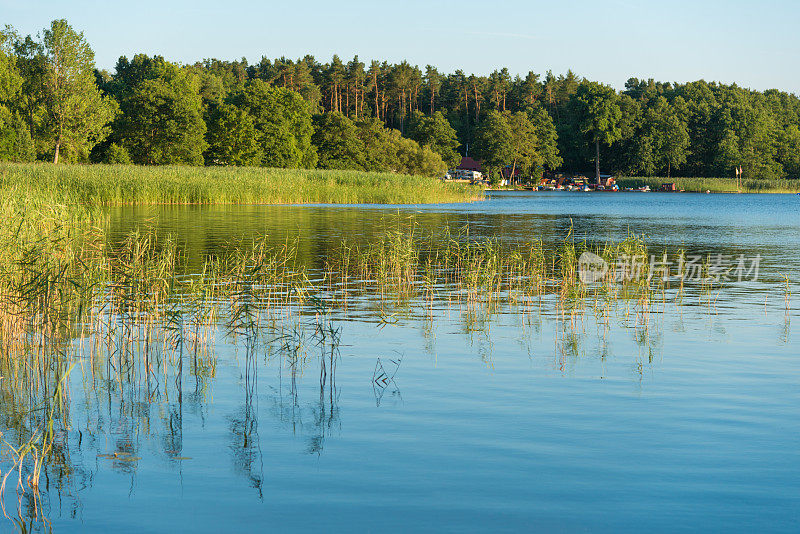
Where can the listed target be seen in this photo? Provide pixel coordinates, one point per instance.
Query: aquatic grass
(93, 186)
(403, 265)
(38, 447)
(787, 293)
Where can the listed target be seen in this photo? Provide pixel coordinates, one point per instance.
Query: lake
(440, 417)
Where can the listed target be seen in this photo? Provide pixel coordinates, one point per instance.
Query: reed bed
(715, 185)
(68, 296)
(404, 263)
(114, 185)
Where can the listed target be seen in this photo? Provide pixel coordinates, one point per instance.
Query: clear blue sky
(754, 43)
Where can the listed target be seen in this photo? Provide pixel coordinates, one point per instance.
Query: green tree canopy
(494, 142)
(513, 139)
(379, 153)
(661, 141)
(598, 116)
(232, 137)
(10, 77)
(162, 112)
(415, 159)
(368, 145)
(283, 122)
(667, 128)
(435, 132)
(337, 142)
(10, 85)
(547, 154)
(789, 150)
(77, 113)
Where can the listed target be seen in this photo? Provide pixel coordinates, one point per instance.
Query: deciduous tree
(337, 142)
(77, 113)
(599, 116)
(283, 122)
(232, 137)
(436, 133)
(162, 112)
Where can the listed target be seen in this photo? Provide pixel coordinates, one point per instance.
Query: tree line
(55, 105)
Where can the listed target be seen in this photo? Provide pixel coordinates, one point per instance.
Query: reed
(113, 185)
(787, 293)
(404, 265)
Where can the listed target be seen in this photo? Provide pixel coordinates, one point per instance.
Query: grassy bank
(715, 185)
(107, 185)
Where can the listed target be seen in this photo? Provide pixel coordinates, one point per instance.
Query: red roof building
(469, 164)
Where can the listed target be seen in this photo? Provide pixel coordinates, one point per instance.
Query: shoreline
(690, 185)
(709, 192)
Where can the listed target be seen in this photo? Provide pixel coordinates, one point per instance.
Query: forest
(55, 105)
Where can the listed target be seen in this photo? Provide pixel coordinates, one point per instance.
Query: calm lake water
(524, 423)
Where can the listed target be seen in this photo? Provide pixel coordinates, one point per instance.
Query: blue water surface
(691, 422)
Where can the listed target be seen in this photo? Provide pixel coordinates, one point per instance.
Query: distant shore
(697, 185)
(714, 185)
